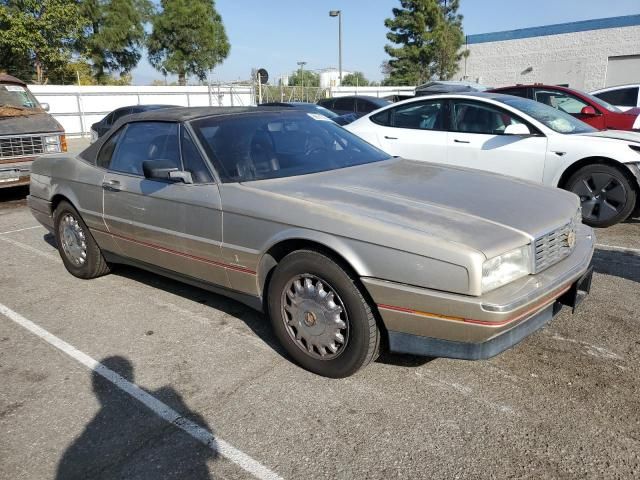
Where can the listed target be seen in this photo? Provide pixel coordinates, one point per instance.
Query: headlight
(55, 144)
(506, 268)
(52, 144)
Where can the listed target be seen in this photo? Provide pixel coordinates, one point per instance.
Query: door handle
(461, 141)
(111, 185)
(390, 138)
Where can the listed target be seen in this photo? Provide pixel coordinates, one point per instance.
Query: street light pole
(338, 13)
(302, 64)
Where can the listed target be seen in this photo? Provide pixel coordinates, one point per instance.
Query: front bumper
(433, 323)
(14, 174)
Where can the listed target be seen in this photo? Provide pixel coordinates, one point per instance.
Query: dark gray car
(349, 250)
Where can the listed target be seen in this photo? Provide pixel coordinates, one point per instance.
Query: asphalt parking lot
(564, 403)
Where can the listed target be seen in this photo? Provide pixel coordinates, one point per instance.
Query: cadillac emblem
(571, 239)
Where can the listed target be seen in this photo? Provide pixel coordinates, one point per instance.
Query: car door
(477, 140)
(570, 104)
(415, 130)
(169, 224)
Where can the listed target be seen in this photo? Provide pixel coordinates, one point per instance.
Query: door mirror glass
(44, 106)
(588, 110)
(164, 170)
(517, 129)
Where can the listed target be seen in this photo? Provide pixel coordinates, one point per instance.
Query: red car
(592, 110)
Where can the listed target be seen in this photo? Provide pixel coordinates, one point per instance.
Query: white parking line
(165, 412)
(48, 255)
(619, 249)
(20, 230)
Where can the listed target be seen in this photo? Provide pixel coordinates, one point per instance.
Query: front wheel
(320, 316)
(606, 194)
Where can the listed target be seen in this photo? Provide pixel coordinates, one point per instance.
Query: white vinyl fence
(372, 91)
(77, 108)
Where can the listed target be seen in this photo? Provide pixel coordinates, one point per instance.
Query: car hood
(614, 135)
(407, 204)
(31, 123)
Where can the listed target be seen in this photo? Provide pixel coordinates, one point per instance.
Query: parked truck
(27, 131)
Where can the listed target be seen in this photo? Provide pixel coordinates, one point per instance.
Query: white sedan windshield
(556, 120)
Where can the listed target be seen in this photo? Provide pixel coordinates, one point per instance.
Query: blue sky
(275, 34)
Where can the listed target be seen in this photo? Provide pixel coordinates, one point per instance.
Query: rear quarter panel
(74, 179)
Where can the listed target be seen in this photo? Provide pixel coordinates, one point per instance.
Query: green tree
(187, 38)
(114, 35)
(41, 33)
(427, 35)
(355, 79)
(311, 79)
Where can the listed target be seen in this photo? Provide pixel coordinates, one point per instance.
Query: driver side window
(472, 117)
(143, 141)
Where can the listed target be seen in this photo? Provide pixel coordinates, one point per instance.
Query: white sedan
(517, 137)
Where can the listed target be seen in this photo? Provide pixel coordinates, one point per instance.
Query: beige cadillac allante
(348, 250)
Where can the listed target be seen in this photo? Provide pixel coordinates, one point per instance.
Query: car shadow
(256, 321)
(621, 264)
(125, 439)
(14, 194)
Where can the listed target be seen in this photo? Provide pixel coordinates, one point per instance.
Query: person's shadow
(126, 440)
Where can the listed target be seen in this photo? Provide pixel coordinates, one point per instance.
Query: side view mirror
(588, 110)
(44, 106)
(517, 129)
(165, 170)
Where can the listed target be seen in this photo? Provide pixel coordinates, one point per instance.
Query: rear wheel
(79, 251)
(606, 193)
(320, 315)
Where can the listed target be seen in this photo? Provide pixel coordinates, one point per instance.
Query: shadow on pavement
(625, 265)
(257, 322)
(127, 440)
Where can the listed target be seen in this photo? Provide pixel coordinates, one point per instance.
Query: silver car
(347, 249)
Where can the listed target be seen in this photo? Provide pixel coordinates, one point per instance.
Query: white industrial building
(330, 77)
(586, 55)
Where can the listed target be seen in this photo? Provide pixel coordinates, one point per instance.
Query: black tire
(362, 335)
(607, 194)
(94, 264)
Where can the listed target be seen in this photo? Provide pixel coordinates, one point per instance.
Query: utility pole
(338, 13)
(302, 64)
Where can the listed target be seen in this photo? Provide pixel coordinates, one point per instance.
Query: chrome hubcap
(73, 240)
(314, 317)
(602, 196)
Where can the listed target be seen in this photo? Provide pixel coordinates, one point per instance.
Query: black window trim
(212, 171)
(535, 131)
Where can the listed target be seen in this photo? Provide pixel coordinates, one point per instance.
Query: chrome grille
(554, 246)
(22, 146)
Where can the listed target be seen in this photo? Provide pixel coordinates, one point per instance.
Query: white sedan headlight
(505, 268)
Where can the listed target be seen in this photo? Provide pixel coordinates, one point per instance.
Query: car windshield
(280, 144)
(17, 96)
(556, 120)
